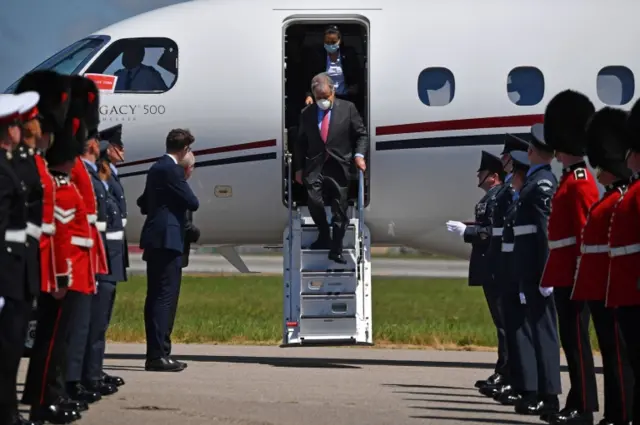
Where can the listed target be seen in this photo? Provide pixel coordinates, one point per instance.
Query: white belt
(92, 218)
(594, 249)
(507, 247)
(115, 236)
(525, 230)
(48, 228)
(101, 225)
(624, 250)
(124, 222)
(34, 231)
(561, 243)
(15, 236)
(497, 231)
(84, 242)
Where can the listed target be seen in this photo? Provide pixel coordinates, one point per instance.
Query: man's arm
(541, 203)
(191, 231)
(358, 132)
(177, 185)
(142, 202)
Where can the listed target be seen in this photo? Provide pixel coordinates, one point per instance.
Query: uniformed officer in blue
(541, 375)
(112, 147)
(481, 267)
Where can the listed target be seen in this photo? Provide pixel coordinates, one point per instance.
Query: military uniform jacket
(83, 181)
(503, 200)
(114, 241)
(25, 167)
(115, 187)
(506, 272)
(624, 249)
(576, 194)
(592, 274)
(479, 236)
(73, 239)
(13, 231)
(47, 261)
(530, 227)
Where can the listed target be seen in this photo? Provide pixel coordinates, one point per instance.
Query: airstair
(326, 303)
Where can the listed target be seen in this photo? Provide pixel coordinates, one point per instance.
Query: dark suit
(332, 161)
(482, 266)
(192, 234)
(165, 200)
(14, 289)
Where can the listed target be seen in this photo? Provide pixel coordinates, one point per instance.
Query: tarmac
(251, 385)
(272, 264)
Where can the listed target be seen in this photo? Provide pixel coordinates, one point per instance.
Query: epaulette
(580, 174)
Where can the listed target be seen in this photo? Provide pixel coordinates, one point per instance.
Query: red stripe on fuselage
(464, 124)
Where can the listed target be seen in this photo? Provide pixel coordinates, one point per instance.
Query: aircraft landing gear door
(324, 303)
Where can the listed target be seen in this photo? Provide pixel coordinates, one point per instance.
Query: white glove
(456, 227)
(523, 300)
(1, 304)
(545, 291)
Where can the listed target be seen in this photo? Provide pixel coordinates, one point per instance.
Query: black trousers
(14, 317)
(573, 324)
(333, 185)
(78, 334)
(172, 319)
(629, 319)
(101, 309)
(534, 351)
(46, 376)
(618, 375)
(163, 281)
(493, 295)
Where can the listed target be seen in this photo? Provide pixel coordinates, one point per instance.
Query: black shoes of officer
(531, 405)
(77, 391)
(19, 420)
(164, 364)
(507, 397)
(101, 388)
(569, 416)
(494, 380)
(78, 406)
(54, 413)
(112, 380)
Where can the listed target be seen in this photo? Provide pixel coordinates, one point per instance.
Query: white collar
(172, 157)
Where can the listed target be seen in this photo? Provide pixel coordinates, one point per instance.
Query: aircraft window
(142, 65)
(616, 85)
(525, 85)
(436, 86)
(71, 59)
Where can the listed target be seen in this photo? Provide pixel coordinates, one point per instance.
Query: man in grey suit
(331, 138)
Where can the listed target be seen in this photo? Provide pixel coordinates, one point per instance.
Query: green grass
(443, 313)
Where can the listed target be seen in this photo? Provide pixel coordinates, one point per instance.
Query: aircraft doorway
(304, 56)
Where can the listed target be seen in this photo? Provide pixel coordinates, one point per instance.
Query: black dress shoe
(494, 380)
(19, 420)
(337, 258)
(78, 392)
(163, 364)
(571, 417)
(536, 407)
(54, 414)
(183, 365)
(494, 390)
(78, 406)
(112, 380)
(508, 398)
(101, 388)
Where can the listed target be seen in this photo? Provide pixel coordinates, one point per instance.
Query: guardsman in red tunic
(623, 291)
(71, 244)
(566, 117)
(606, 149)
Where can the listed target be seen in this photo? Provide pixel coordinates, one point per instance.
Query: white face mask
(324, 104)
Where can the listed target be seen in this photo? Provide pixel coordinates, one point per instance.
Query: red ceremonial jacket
(72, 241)
(624, 249)
(47, 261)
(577, 192)
(593, 266)
(81, 178)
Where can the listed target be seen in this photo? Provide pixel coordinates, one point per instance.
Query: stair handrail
(361, 222)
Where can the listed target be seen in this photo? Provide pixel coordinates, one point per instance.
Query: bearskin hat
(565, 121)
(54, 91)
(633, 128)
(607, 140)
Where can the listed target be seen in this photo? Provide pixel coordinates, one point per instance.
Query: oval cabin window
(525, 86)
(616, 85)
(436, 86)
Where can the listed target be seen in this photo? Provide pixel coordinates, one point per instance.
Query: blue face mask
(331, 48)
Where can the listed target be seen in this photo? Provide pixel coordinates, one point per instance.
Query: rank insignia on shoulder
(31, 151)
(9, 155)
(580, 174)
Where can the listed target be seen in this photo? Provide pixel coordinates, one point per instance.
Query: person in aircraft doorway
(340, 62)
(325, 157)
(136, 76)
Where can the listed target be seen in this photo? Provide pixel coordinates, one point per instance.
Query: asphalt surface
(248, 385)
(273, 265)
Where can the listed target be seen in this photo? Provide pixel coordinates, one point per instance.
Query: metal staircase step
(328, 283)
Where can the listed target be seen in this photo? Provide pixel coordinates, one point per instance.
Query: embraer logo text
(129, 112)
